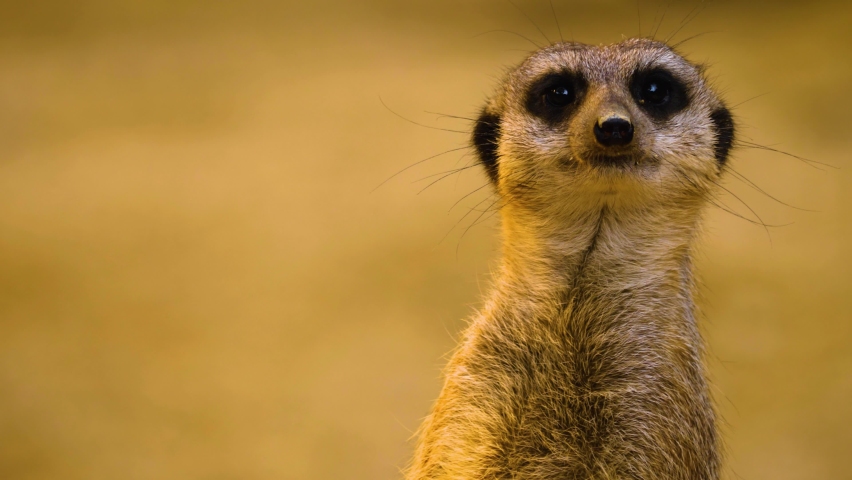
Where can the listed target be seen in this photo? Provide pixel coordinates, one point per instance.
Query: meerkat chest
(576, 389)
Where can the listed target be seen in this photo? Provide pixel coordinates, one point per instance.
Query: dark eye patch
(723, 124)
(553, 97)
(658, 93)
(486, 139)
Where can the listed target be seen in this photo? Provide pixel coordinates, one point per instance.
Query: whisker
(657, 29)
(639, 16)
(682, 176)
(751, 184)
(489, 217)
(466, 196)
(495, 202)
(463, 217)
(447, 115)
(692, 15)
(765, 226)
(417, 163)
(451, 173)
(693, 38)
(537, 46)
(556, 19)
(420, 124)
(433, 175)
(729, 210)
(812, 163)
(531, 21)
(501, 200)
(750, 99)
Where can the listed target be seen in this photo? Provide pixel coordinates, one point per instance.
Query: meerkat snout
(614, 130)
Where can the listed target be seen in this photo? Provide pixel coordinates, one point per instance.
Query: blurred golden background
(197, 280)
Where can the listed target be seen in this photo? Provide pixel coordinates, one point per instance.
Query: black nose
(614, 131)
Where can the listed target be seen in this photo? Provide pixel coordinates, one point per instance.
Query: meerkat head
(616, 123)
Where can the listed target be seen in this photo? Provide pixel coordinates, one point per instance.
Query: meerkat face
(602, 122)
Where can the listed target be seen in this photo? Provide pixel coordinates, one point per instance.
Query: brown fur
(586, 361)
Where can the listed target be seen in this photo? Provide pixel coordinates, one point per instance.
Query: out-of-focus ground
(196, 281)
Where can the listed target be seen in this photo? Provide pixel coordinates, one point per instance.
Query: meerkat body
(586, 361)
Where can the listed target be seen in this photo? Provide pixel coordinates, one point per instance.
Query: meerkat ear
(486, 137)
(724, 126)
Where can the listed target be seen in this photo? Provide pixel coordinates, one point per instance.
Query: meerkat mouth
(620, 162)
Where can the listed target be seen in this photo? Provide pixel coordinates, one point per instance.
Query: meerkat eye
(559, 96)
(655, 90)
(659, 93)
(554, 97)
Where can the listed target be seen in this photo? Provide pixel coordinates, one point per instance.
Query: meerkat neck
(602, 308)
(607, 249)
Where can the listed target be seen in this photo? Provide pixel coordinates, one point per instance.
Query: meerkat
(586, 361)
